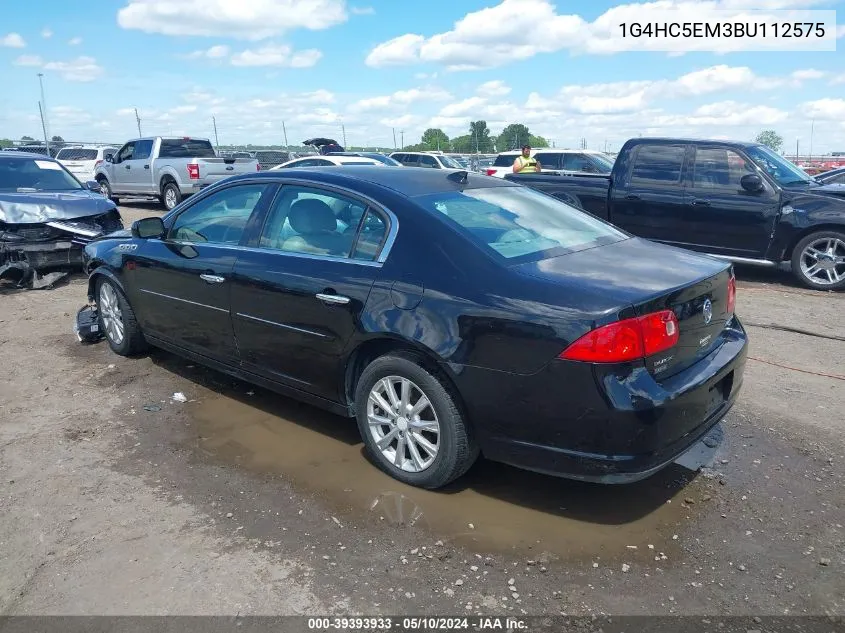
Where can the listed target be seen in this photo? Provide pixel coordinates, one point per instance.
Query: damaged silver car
(46, 218)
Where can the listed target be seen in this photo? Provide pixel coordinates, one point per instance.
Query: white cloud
(215, 52)
(825, 109)
(255, 20)
(401, 122)
(466, 107)
(29, 60)
(495, 88)
(809, 73)
(46, 33)
(519, 29)
(272, 55)
(400, 98)
(362, 10)
(76, 41)
(12, 40)
(840, 31)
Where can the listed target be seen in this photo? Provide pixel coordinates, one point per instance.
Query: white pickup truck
(167, 168)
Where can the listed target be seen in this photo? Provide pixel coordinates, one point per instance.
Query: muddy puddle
(510, 510)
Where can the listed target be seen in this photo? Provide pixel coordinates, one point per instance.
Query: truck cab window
(719, 168)
(658, 164)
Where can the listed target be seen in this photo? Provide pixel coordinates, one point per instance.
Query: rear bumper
(608, 424)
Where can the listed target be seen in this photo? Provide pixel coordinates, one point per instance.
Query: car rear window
(77, 154)
(186, 148)
(504, 160)
(520, 224)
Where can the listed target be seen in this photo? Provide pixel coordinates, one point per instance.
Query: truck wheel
(818, 260)
(170, 195)
(105, 187)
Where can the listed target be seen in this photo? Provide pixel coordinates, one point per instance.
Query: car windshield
(450, 163)
(785, 173)
(387, 160)
(24, 175)
(520, 224)
(604, 161)
(77, 154)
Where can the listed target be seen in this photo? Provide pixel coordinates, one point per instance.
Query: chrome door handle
(212, 279)
(338, 299)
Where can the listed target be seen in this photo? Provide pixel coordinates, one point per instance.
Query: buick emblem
(707, 311)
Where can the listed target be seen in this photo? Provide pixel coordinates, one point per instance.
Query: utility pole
(402, 132)
(343, 129)
(216, 140)
(284, 130)
(45, 124)
(394, 137)
(44, 128)
(138, 121)
(812, 125)
(796, 150)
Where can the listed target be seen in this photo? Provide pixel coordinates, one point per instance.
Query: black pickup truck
(737, 201)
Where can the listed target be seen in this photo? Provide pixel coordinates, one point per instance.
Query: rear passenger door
(298, 292)
(650, 203)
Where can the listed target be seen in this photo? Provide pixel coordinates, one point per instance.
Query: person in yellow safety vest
(525, 163)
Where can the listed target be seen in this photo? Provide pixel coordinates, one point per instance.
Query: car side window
(429, 161)
(578, 162)
(221, 217)
(371, 236)
(719, 168)
(317, 222)
(308, 162)
(126, 152)
(549, 160)
(658, 164)
(143, 149)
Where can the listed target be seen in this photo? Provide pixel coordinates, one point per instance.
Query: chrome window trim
(202, 305)
(281, 325)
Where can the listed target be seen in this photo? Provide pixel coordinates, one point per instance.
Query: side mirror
(93, 185)
(752, 183)
(148, 228)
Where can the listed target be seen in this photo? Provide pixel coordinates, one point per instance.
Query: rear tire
(170, 195)
(818, 260)
(105, 187)
(411, 450)
(117, 320)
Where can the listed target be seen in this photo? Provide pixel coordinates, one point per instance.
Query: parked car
(82, 161)
(166, 167)
(328, 160)
(833, 176)
(269, 158)
(425, 159)
(46, 216)
(376, 156)
(737, 201)
(452, 314)
(582, 161)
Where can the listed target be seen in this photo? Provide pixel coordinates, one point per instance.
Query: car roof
(408, 182)
(26, 155)
(699, 141)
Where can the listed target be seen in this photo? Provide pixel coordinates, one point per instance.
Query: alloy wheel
(111, 314)
(823, 261)
(169, 197)
(403, 424)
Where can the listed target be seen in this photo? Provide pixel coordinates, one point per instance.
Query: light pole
(44, 120)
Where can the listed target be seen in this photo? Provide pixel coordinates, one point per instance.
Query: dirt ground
(116, 499)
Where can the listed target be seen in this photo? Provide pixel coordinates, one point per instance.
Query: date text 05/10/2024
(417, 624)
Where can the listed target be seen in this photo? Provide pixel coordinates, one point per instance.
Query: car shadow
(508, 487)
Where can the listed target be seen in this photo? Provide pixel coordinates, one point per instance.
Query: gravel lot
(115, 499)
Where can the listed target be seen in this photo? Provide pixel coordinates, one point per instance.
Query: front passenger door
(183, 282)
(121, 179)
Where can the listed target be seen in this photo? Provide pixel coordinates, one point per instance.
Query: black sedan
(451, 313)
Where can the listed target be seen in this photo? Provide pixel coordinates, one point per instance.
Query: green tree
(57, 139)
(27, 138)
(463, 144)
(537, 141)
(435, 139)
(513, 136)
(770, 139)
(479, 135)
(5, 142)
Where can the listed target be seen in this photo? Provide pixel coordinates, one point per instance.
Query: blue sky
(378, 65)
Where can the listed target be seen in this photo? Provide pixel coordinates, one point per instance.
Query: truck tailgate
(213, 169)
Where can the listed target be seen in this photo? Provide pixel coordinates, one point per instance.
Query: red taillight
(97, 164)
(490, 172)
(626, 340)
(193, 171)
(257, 166)
(731, 294)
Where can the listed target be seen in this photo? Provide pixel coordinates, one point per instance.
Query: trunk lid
(641, 277)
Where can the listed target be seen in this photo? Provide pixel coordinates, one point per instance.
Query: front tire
(411, 424)
(171, 195)
(105, 187)
(117, 320)
(818, 260)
